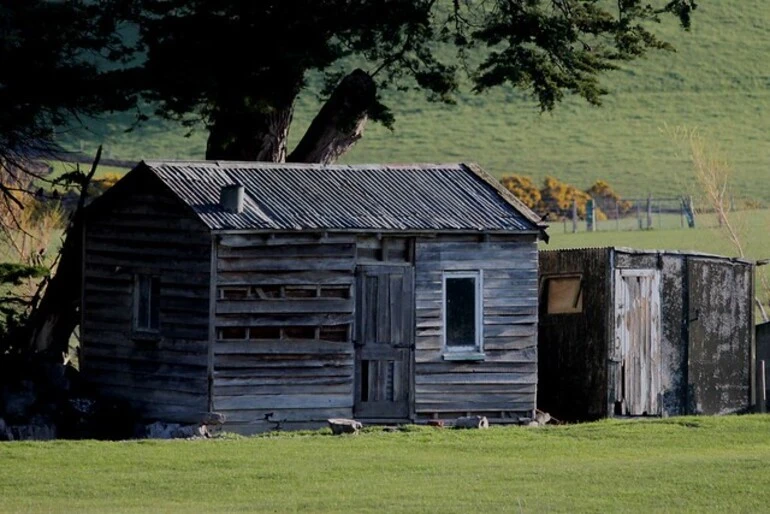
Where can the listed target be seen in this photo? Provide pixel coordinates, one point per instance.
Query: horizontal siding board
(285, 306)
(283, 416)
(280, 401)
(293, 264)
(265, 320)
(282, 347)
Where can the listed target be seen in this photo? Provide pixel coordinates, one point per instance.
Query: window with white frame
(147, 303)
(462, 311)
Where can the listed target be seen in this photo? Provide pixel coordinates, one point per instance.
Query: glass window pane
(143, 302)
(154, 303)
(461, 311)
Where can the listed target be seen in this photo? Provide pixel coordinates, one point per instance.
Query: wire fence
(651, 213)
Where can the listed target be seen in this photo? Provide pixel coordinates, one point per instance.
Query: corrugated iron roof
(411, 197)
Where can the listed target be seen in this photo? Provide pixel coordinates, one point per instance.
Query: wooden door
(638, 334)
(384, 341)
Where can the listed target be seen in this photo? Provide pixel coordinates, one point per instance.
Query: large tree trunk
(340, 122)
(52, 321)
(241, 135)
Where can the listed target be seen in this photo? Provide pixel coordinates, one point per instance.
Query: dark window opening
(335, 292)
(147, 310)
(564, 295)
(336, 333)
(365, 381)
(267, 292)
(265, 333)
(461, 311)
(233, 333)
(241, 293)
(299, 333)
(300, 292)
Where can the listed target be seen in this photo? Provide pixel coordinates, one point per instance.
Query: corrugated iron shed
(411, 197)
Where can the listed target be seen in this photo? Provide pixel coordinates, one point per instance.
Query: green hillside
(717, 81)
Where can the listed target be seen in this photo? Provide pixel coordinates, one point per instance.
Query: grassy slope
(752, 226)
(685, 464)
(718, 81)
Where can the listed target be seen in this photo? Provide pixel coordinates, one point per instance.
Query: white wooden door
(637, 339)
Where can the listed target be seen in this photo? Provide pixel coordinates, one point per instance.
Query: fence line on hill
(650, 213)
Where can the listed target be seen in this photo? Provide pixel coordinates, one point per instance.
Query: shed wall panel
(504, 383)
(146, 231)
(278, 298)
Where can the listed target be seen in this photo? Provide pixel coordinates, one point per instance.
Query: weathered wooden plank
(247, 380)
(287, 389)
(264, 361)
(523, 405)
(459, 369)
(278, 401)
(510, 342)
(173, 371)
(293, 264)
(464, 265)
(157, 396)
(510, 330)
(344, 250)
(478, 389)
(137, 260)
(282, 347)
(490, 356)
(265, 320)
(247, 240)
(285, 306)
(510, 320)
(129, 378)
(283, 416)
(230, 278)
(117, 353)
(120, 337)
(476, 378)
(288, 370)
(159, 250)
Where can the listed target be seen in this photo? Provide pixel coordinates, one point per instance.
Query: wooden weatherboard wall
(503, 382)
(282, 354)
(146, 231)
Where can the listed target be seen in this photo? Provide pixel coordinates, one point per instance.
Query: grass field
(718, 80)
(676, 465)
(754, 227)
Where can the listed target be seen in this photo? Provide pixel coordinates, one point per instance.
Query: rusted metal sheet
(637, 340)
(346, 197)
(572, 348)
(720, 336)
(703, 360)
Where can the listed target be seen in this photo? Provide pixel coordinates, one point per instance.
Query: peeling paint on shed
(684, 347)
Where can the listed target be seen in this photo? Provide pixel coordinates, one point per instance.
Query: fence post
(649, 212)
(590, 215)
(689, 212)
(574, 216)
(617, 216)
(639, 214)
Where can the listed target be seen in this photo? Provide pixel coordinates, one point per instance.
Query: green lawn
(717, 80)
(685, 464)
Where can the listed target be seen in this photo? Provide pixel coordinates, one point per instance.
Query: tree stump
(472, 422)
(344, 426)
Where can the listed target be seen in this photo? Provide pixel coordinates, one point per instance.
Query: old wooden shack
(638, 332)
(281, 295)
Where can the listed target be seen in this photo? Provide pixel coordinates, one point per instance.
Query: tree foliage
(237, 67)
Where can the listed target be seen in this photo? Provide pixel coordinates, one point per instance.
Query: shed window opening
(564, 295)
(147, 304)
(462, 311)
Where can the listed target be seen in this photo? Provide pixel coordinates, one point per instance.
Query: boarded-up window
(147, 303)
(462, 311)
(564, 295)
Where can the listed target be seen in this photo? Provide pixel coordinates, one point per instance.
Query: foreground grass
(684, 464)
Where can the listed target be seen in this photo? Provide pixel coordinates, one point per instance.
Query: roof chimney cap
(231, 198)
